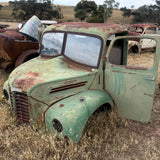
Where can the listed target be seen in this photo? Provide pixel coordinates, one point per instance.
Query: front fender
(69, 116)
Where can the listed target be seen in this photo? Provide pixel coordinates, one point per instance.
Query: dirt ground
(106, 137)
(11, 24)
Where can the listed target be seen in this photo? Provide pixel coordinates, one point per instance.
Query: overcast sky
(123, 3)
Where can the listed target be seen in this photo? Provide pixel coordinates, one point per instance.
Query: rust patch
(29, 80)
(15, 34)
(148, 95)
(13, 43)
(136, 68)
(133, 87)
(123, 72)
(70, 82)
(61, 105)
(24, 83)
(143, 25)
(104, 28)
(130, 67)
(34, 74)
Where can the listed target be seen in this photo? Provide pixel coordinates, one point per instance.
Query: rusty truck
(81, 67)
(20, 44)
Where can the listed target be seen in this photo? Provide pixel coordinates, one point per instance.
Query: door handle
(151, 79)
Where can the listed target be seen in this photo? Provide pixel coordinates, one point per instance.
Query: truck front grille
(20, 106)
(22, 110)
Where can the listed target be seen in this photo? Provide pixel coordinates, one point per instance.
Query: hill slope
(67, 11)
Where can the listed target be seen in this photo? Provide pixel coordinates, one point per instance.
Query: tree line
(144, 14)
(85, 10)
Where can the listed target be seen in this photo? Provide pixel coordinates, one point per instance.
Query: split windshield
(80, 48)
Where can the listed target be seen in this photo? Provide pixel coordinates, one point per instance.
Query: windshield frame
(64, 47)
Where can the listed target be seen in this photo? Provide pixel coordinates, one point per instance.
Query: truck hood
(41, 71)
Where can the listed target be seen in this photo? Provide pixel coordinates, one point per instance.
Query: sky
(123, 3)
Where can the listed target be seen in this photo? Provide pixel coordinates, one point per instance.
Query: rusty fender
(67, 118)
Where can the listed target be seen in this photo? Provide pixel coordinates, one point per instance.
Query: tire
(26, 56)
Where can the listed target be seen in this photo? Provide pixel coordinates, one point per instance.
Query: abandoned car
(136, 46)
(81, 67)
(18, 46)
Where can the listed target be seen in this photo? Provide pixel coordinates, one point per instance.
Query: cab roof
(101, 29)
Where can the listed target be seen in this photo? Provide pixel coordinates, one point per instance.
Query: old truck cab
(81, 67)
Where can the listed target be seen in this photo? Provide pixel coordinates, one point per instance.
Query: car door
(148, 43)
(131, 87)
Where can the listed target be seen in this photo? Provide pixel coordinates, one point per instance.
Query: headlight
(6, 95)
(57, 125)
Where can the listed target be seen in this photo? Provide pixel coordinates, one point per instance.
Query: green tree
(0, 7)
(90, 12)
(155, 12)
(109, 5)
(126, 13)
(85, 9)
(149, 13)
(143, 14)
(23, 10)
(98, 16)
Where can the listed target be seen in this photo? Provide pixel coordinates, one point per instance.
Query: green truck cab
(81, 67)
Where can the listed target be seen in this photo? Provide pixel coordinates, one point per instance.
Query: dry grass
(5, 13)
(68, 13)
(106, 137)
(146, 58)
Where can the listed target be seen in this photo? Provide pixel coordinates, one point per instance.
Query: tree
(23, 10)
(149, 13)
(126, 13)
(109, 6)
(143, 14)
(155, 12)
(90, 12)
(98, 16)
(85, 9)
(1, 6)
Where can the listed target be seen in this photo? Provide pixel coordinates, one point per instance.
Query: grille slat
(11, 98)
(22, 103)
(20, 106)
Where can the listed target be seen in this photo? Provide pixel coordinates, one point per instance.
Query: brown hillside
(67, 11)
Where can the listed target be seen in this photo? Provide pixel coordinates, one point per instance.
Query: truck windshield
(83, 49)
(52, 44)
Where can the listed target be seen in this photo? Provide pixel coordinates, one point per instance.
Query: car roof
(101, 29)
(144, 25)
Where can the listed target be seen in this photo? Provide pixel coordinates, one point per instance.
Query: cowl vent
(80, 84)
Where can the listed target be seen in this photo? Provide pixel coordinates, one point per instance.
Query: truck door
(131, 82)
